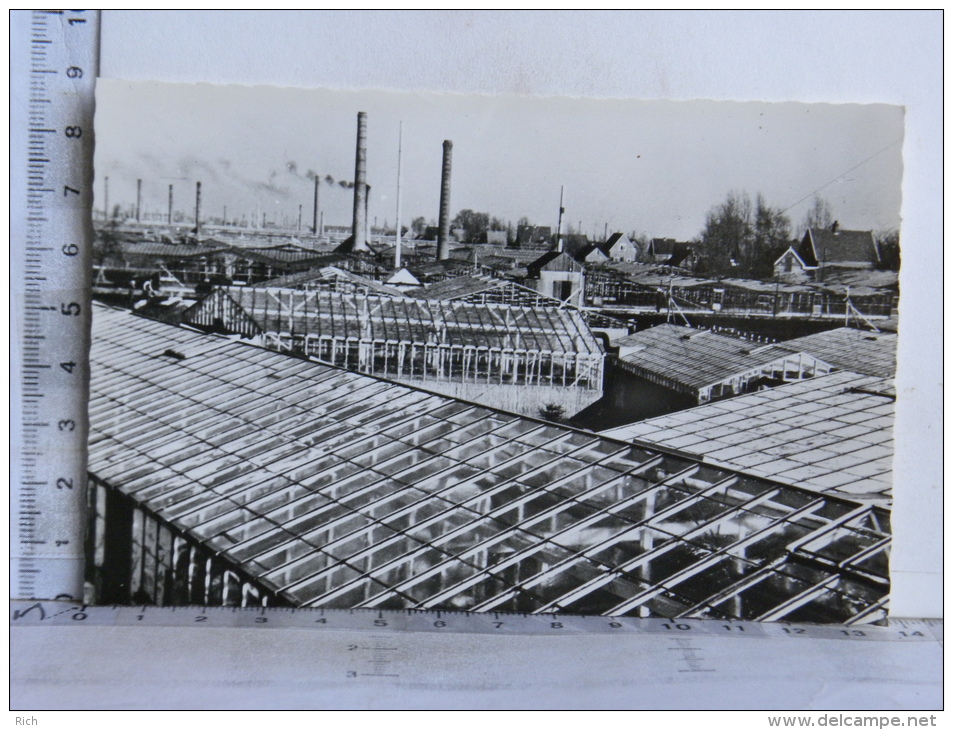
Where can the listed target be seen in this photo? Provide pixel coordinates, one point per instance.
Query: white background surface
(851, 56)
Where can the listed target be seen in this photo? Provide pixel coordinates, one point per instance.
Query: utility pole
(559, 224)
(400, 141)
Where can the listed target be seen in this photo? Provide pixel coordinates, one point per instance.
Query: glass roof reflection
(336, 489)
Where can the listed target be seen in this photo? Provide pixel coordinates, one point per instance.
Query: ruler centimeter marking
(48, 613)
(54, 64)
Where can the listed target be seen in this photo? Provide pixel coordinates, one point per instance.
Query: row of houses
(804, 260)
(589, 277)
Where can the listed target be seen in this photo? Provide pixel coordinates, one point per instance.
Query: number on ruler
(74, 72)
(73, 132)
(63, 483)
(72, 309)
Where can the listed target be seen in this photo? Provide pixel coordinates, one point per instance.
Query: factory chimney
(559, 224)
(359, 224)
(443, 236)
(138, 198)
(170, 204)
(198, 208)
(106, 196)
(367, 212)
(314, 222)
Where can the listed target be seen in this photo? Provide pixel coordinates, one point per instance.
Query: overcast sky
(653, 167)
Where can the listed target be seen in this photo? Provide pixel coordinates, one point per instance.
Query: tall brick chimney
(198, 208)
(359, 225)
(443, 236)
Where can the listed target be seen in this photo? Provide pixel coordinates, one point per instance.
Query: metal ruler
(49, 613)
(54, 61)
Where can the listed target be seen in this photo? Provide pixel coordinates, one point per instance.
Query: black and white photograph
(493, 354)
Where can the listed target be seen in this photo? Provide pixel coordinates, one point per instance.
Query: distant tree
(740, 237)
(418, 225)
(523, 221)
(727, 229)
(772, 235)
(641, 240)
(473, 224)
(496, 224)
(552, 412)
(820, 215)
(889, 244)
(106, 246)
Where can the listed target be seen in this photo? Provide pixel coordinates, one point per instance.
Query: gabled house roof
(838, 247)
(403, 277)
(661, 246)
(533, 234)
(554, 261)
(676, 251)
(583, 253)
(791, 250)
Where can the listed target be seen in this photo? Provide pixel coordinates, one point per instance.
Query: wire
(864, 162)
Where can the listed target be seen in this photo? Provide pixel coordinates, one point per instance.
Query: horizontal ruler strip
(46, 613)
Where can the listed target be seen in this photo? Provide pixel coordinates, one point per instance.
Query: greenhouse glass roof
(336, 489)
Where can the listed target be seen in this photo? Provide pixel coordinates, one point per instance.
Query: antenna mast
(400, 141)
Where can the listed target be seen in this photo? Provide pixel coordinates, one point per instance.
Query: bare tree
(418, 225)
(741, 237)
(772, 235)
(820, 215)
(473, 224)
(888, 242)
